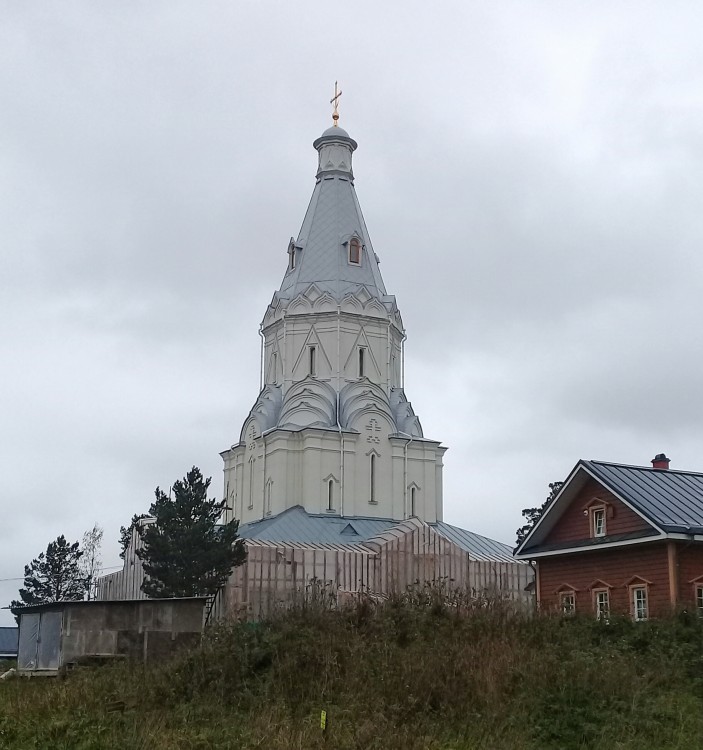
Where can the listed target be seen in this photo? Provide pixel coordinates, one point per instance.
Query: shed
(58, 634)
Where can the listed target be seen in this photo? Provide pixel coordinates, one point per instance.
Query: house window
(312, 352)
(330, 494)
(598, 522)
(362, 353)
(640, 605)
(601, 603)
(291, 256)
(699, 599)
(567, 602)
(355, 251)
(412, 501)
(372, 478)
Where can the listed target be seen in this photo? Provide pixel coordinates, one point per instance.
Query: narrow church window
(355, 251)
(269, 485)
(251, 482)
(330, 494)
(313, 350)
(372, 476)
(361, 362)
(272, 368)
(412, 501)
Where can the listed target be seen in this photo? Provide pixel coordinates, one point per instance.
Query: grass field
(421, 671)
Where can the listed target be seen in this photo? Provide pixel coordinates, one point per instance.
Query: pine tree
(54, 576)
(126, 532)
(185, 552)
(532, 515)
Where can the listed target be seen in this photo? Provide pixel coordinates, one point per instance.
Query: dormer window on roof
(355, 251)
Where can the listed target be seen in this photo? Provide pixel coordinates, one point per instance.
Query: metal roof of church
(296, 525)
(332, 219)
(673, 500)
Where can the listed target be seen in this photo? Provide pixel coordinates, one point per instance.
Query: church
(334, 483)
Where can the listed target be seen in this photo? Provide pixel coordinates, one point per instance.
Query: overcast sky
(529, 173)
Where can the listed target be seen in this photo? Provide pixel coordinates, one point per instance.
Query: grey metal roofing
(296, 525)
(479, 547)
(333, 217)
(9, 639)
(673, 500)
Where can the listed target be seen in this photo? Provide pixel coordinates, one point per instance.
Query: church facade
(332, 479)
(332, 430)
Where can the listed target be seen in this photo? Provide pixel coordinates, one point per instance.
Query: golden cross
(335, 101)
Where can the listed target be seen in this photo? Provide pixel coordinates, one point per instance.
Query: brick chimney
(660, 461)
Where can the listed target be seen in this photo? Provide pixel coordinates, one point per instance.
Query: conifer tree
(126, 532)
(54, 576)
(185, 551)
(532, 515)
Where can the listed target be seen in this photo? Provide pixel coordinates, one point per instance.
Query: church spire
(333, 249)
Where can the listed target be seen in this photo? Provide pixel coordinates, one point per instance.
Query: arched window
(312, 353)
(251, 482)
(330, 494)
(362, 352)
(269, 487)
(273, 366)
(372, 478)
(413, 491)
(355, 251)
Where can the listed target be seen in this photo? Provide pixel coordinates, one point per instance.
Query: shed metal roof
(296, 525)
(673, 500)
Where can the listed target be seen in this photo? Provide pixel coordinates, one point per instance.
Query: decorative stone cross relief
(372, 427)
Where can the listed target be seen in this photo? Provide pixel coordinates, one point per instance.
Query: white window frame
(598, 522)
(372, 479)
(698, 592)
(567, 602)
(312, 360)
(601, 604)
(639, 601)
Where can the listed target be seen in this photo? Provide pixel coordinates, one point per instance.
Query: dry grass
(422, 671)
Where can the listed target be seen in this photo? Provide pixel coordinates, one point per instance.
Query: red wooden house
(621, 539)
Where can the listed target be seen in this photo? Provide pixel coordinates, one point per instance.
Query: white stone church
(332, 479)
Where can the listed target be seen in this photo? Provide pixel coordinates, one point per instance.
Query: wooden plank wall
(278, 575)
